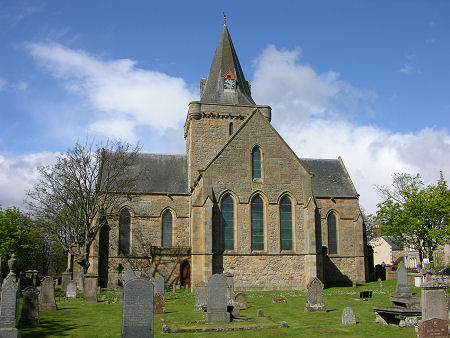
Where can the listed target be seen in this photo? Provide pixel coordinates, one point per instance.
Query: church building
(239, 201)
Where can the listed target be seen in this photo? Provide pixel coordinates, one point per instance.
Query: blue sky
(367, 80)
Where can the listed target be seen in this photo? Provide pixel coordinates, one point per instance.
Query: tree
(73, 196)
(415, 214)
(18, 236)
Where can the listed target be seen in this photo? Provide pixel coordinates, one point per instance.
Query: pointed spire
(226, 65)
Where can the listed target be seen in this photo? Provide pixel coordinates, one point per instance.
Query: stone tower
(225, 101)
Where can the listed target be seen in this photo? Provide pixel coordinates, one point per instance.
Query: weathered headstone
(159, 283)
(30, 307)
(365, 294)
(433, 327)
(158, 303)
(47, 295)
(217, 300)
(348, 317)
(127, 275)
(10, 301)
(241, 298)
(66, 277)
(201, 296)
(380, 283)
(435, 300)
(137, 308)
(260, 313)
(71, 291)
(90, 287)
(315, 296)
(230, 286)
(402, 279)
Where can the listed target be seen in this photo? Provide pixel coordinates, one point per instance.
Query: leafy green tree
(18, 236)
(417, 215)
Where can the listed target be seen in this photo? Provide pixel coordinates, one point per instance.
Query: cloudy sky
(366, 80)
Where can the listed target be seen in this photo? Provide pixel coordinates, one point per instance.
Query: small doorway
(185, 273)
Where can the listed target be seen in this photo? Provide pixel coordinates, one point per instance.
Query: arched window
(231, 128)
(167, 229)
(256, 163)
(332, 235)
(257, 224)
(124, 232)
(228, 223)
(286, 223)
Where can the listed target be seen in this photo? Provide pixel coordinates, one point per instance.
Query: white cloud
(19, 175)
(3, 84)
(306, 111)
(409, 65)
(122, 95)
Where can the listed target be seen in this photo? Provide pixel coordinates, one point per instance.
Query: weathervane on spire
(224, 18)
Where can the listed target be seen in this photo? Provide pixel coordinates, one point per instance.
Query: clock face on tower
(229, 84)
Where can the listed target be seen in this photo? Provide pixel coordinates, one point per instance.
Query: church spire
(226, 82)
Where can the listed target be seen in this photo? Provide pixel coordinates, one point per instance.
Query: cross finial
(224, 18)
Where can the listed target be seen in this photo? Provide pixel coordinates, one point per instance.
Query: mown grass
(78, 319)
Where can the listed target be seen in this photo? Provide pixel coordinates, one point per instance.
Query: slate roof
(330, 178)
(161, 173)
(226, 59)
(390, 240)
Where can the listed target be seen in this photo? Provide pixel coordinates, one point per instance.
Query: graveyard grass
(77, 319)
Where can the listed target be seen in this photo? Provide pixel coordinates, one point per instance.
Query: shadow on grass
(49, 328)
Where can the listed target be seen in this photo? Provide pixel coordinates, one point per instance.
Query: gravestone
(137, 308)
(402, 279)
(90, 287)
(348, 317)
(433, 327)
(435, 299)
(230, 287)
(217, 300)
(153, 281)
(30, 307)
(260, 313)
(402, 296)
(47, 295)
(365, 294)
(158, 303)
(127, 275)
(10, 301)
(159, 283)
(380, 283)
(71, 291)
(66, 277)
(201, 296)
(241, 298)
(315, 296)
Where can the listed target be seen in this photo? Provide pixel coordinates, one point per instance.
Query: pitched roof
(225, 59)
(391, 241)
(330, 178)
(161, 173)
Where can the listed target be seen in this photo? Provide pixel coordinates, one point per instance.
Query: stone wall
(266, 272)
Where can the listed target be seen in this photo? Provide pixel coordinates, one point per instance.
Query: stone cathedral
(240, 201)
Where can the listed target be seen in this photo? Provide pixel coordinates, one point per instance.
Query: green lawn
(77, 319)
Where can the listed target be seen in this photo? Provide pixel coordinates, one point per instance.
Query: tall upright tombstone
(10, 301)
(402, 279)
(30, 307)
(71, 291)
(435, 299)
(159, 299)
(47, 295)
(315, 296)
(217, 300)
(402, 296)
(159, 282)
(66, 277)
(90, 287)
(137, 308)
(201, 296)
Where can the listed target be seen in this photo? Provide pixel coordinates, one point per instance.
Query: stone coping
(398, 311)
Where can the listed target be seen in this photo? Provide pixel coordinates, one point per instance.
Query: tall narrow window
(257, 224)
(256, 163)
(231, 128)
(167, 229)
(124, 232)
(228, 223)
(286, 223)
(332, 236)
